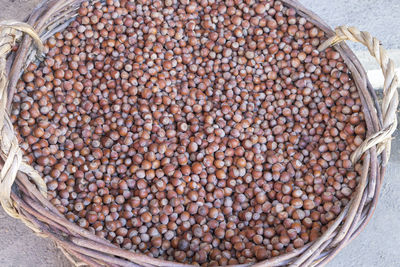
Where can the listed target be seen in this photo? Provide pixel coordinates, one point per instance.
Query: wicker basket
(23, 191)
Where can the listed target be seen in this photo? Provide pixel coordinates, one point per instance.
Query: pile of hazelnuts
(200, 131)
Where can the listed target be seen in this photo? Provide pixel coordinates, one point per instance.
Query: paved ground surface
(381, 18)
(377, 245)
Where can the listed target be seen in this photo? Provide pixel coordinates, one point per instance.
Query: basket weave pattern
(23, 191)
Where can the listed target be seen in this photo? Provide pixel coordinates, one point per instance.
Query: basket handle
(390, 99)
(10, 153)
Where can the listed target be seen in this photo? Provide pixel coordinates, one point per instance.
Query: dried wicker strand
(22, 28)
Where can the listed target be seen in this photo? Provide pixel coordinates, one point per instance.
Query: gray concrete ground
(377, 245)
(381, 18)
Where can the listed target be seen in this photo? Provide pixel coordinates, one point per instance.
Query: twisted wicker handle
(390, 99)
(10, 153)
